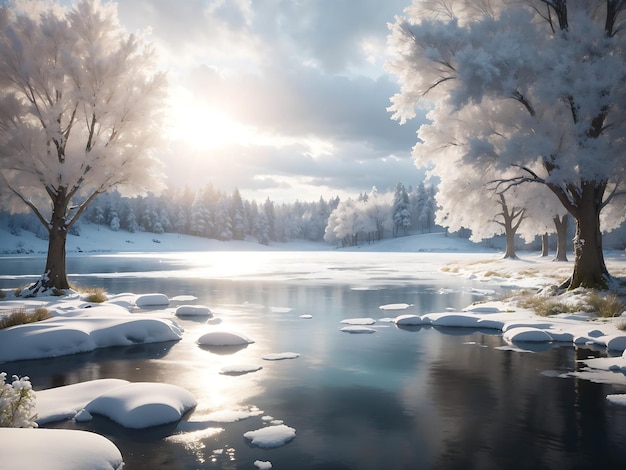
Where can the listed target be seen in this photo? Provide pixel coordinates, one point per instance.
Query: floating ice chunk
(280, 356)
(527, 334)
(409, 320)
(184, 298)
(271, 436)
(193, 310)
(281, 309)
(267, 418)
(618, 398)
(223, 338)
(395, 306)
(150, 300)
(262, 464)
(240, 369)
(358, 321)
(306, 316)
(357, 329)
(143, 404)
(231, 416)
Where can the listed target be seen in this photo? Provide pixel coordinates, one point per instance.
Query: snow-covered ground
(78, 326)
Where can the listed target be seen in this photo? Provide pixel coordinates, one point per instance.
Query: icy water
(418, 398)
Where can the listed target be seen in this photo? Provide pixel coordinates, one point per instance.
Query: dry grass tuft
(607, 306)
(21, 317)
(95, 295)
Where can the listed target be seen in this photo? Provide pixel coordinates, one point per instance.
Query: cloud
(303, 81)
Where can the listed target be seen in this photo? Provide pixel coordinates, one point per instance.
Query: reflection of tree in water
(499, 411)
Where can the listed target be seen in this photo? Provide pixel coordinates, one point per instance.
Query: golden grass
(21, 316)
(95, 295)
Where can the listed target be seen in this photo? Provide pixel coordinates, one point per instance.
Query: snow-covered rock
(151, 300)
(409, 320)
(193, 310)
(527, 334)
(143, 404)
(223, 338)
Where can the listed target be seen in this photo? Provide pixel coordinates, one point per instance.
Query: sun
(206, 128)
(201, 125)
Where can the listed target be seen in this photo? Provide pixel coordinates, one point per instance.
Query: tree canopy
(534, 91)
(80, 114)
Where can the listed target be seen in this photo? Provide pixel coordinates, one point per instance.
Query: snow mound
(271, 436)
(61, 335)
(240, 369)
(193, 310)
(280, 356)
(151, 300)
(142, 405)
(409, 320)
(358, 321)
(57, 449)
(395, 306)
(357, 329)
(527, 334)
(262, 464)
(223, 338)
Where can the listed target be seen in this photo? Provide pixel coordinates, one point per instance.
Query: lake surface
(396, 399)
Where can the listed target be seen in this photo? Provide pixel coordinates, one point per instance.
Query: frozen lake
(397, 398)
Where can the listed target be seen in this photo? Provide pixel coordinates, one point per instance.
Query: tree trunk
(589, 267)
(544, 244)
(510, 244)
(560, 224)
(55, 274)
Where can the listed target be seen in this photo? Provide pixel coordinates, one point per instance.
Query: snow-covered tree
(552, 73)
(400, 212)
(80, 104)
(237, 216)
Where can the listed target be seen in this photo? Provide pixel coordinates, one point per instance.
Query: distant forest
(215, 214)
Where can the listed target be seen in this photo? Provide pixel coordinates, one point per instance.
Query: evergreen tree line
(215, 214)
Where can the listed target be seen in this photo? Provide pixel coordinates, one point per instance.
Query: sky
(283, 99)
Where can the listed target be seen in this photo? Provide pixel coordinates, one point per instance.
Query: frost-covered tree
(80, 104)
(553, 73)
(400, 212)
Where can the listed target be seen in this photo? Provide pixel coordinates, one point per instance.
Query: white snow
(280, 356)
(57, 449)
(409, 320)
(271, 436)
(133, 405)
(75, 328)
(223, 338)
(262, 464)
